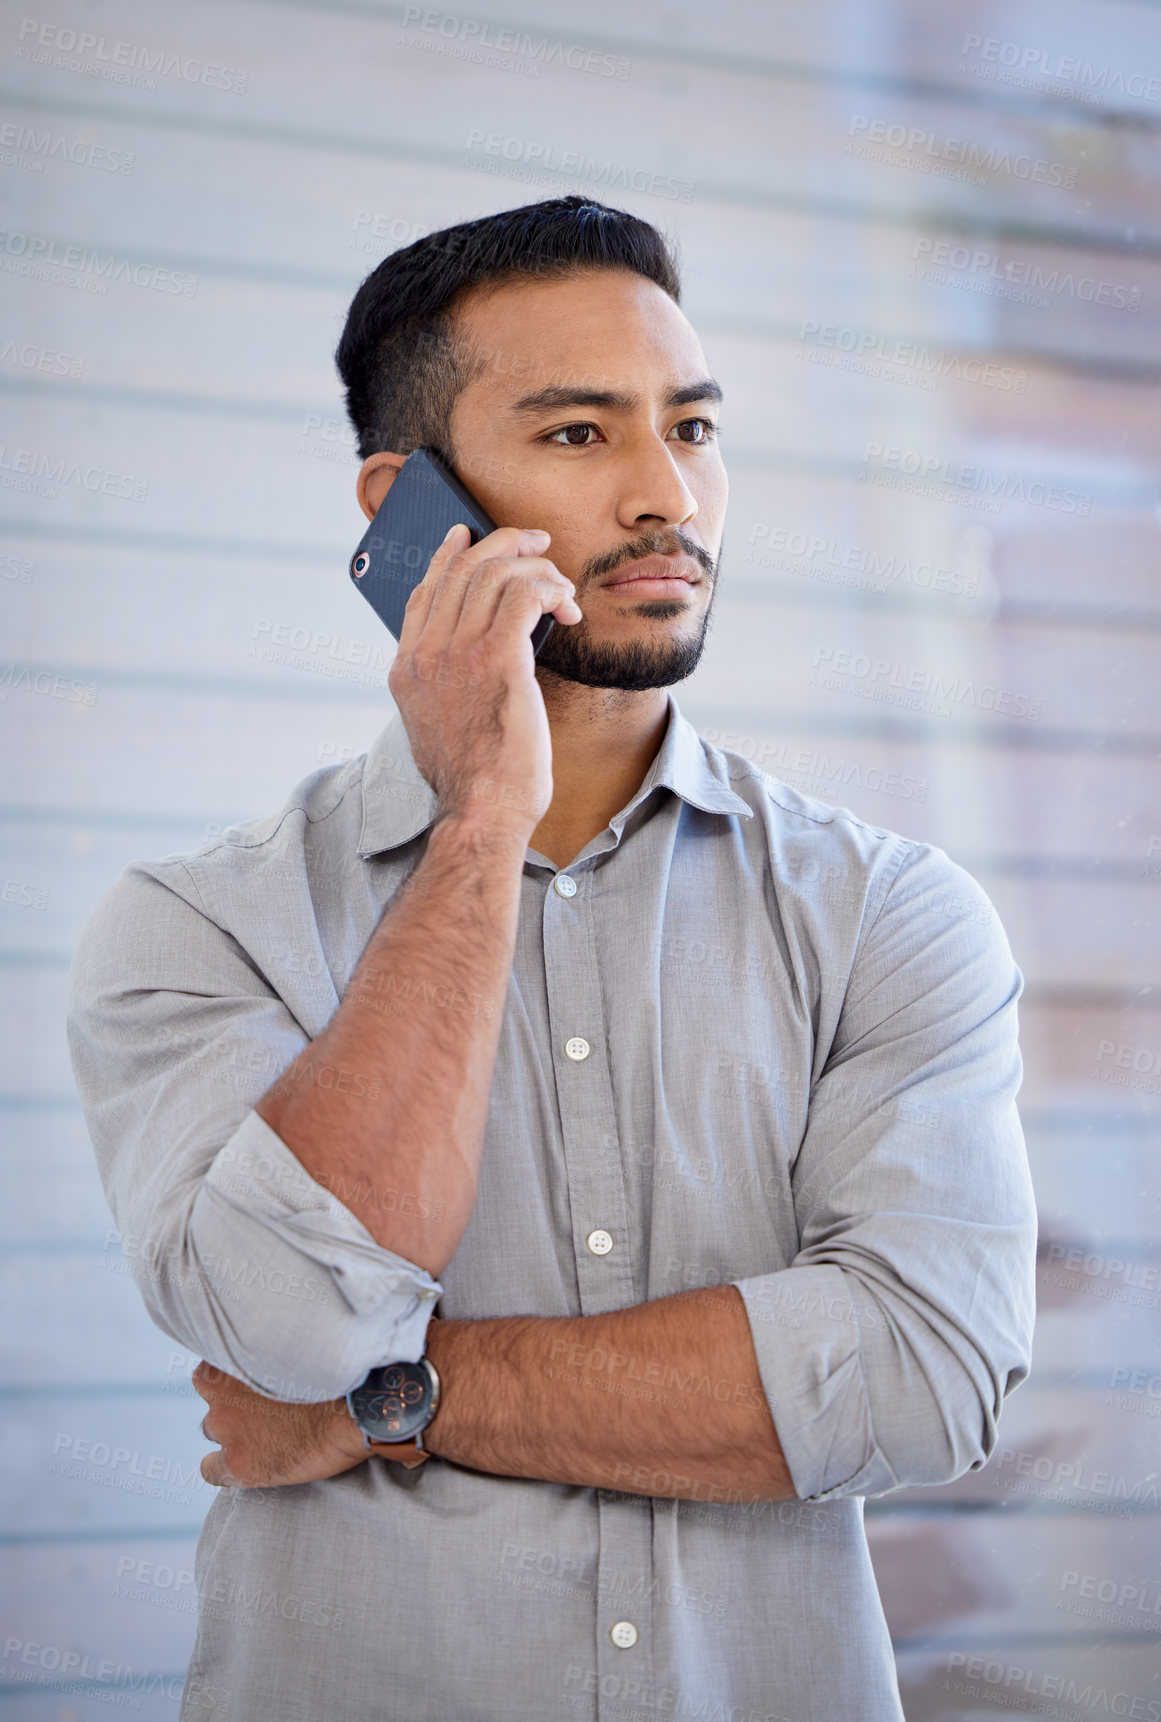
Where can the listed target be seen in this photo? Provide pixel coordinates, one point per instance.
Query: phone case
(425, 501)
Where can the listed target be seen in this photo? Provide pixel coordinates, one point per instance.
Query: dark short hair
(399, 357)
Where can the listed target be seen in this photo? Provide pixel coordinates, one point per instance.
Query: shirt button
(623, 1635)
(577, 1049)
(564, 885)
(599, 1242)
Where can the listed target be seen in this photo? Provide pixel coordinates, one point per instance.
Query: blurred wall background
(923, 247)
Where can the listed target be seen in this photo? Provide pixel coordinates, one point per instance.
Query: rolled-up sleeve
(887, 1347)
(239, 1254)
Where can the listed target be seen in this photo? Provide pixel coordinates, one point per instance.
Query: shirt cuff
(257, 1178)
(807, 1339)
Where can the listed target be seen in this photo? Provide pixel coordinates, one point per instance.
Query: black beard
(570, 653)
(633, 666)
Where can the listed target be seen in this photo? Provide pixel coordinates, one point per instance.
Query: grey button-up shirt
(800, 1080)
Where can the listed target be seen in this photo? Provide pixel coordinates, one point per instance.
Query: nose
(654, 492)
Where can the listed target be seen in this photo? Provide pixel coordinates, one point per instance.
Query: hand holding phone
(463, 678)
(425, 500)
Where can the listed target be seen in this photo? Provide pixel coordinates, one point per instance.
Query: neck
(603, 743)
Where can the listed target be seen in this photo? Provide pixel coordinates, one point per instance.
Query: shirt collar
(398, 804)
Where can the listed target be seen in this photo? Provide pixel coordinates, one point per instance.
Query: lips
(663, 572)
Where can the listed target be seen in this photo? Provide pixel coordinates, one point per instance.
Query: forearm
(396, 1130)
(663, 1399)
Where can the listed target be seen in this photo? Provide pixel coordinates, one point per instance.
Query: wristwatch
(396, 1402)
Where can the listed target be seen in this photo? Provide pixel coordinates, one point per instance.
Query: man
(689, 1099)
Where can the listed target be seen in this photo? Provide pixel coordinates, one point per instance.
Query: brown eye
(577, 435)
(693, 430)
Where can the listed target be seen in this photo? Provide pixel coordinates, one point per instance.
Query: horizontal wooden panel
(784, 275)
(68, 1445)
(967, 1678)
(967, 1575)
(236, 760)
(840, 535)
(54, 1192)
(772, 135)
(941, 672)
(83, 1305)
(820, 44)
(1078, 1452)
(134, 1594)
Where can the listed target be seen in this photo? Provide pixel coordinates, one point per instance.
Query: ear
(376, 476)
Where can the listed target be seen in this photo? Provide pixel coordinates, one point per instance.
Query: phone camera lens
(360, 565)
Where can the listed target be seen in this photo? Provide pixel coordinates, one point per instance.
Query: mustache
(667, 541)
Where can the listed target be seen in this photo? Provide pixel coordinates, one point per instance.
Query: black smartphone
(425, 501)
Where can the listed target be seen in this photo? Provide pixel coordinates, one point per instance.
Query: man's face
(593, 415)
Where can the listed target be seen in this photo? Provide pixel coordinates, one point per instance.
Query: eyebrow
(546, 400)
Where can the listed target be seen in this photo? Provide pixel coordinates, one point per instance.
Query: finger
(482, 599)
(437, 600)
(458, 574)
(442, 611)
(522, 603)
(203, 1379)
(215, 1472)
(509, 541)
(456, 539)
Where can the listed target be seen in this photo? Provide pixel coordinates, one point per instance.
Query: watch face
(394, 1402)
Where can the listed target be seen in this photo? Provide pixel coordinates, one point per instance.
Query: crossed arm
(915, 1271)
(664, 1398)
(661, 1399)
